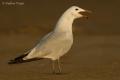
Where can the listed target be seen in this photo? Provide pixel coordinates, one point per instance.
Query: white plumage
(59, 41)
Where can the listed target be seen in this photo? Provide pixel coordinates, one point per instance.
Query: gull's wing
(52, 42)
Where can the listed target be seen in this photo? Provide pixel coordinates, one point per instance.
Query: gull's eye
(76, 9)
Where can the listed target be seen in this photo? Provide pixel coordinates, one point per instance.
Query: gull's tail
(19, 59)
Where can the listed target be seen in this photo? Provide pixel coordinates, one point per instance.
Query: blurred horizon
(39, 16)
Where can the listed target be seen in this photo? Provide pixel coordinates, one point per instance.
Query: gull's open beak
(85, 13)
(88, 11)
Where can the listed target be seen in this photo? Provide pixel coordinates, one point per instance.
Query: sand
(94, 55)
(91, 58)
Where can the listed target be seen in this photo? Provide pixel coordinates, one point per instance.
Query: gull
(56, 43)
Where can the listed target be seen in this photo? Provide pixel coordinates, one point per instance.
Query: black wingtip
(18, 61)
(15, 61)
(11, 62)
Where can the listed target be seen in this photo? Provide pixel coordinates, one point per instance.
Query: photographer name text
(11, 3)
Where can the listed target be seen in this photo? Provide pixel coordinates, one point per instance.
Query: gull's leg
(59, 65)
(53, 66)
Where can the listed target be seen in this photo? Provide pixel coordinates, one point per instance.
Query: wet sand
(91, 58)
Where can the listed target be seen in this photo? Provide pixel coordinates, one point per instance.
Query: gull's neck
(65, 22)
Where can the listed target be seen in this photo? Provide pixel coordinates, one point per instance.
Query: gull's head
(77, 12)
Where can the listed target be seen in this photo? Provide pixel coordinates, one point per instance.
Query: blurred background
(94, 55)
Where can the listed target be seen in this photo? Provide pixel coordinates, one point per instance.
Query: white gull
(56, 43)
